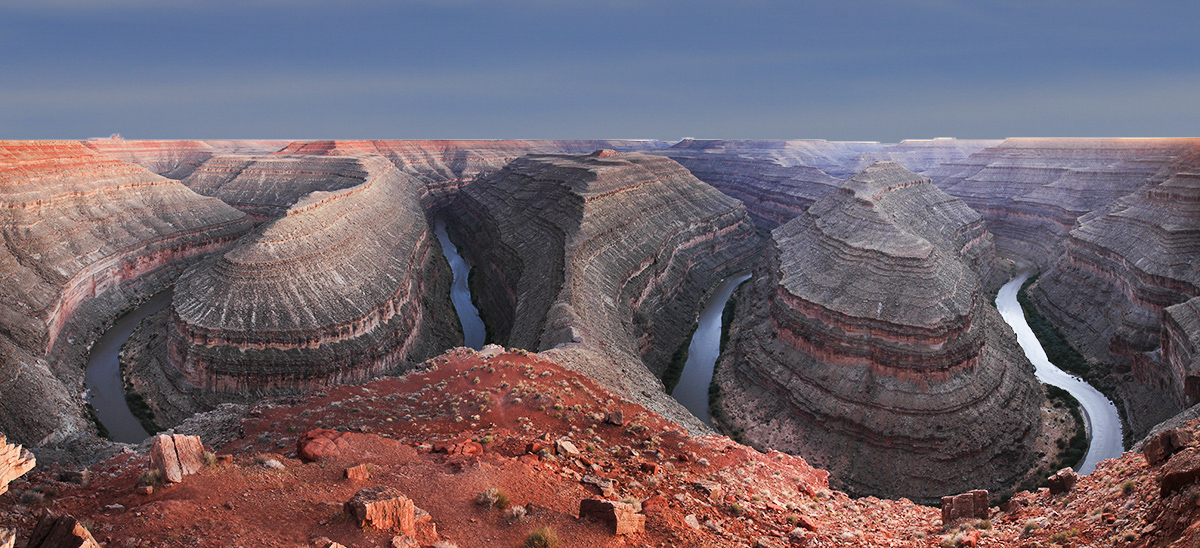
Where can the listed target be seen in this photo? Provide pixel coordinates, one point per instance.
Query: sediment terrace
(603, 258)
(1136, 260)
(85, 236)
(866, 342)
(346, 285)
(1031, 191)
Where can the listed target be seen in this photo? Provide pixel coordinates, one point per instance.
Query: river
(692, 390)
(460, 294)
(103, 377)
(1104, 424)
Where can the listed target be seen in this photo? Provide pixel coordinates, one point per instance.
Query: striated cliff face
(346, 285)
(1137, 260)
(266, 186)
(177, 159)
(828, 156)
(85, 236)
(916, 155)
(604, 257)
(866, 343)
(446, 165)
(1031, 191)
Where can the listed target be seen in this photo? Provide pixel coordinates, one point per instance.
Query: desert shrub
(542, 537)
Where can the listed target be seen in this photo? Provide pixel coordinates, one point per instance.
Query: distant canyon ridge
(866, 342)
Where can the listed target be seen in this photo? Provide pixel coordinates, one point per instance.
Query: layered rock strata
(85, 236)
(177, 159)
(828, 156)
(264, 187)
(446, 165)
(866, 343)
(1136, 260)
(1031, 191)
(346, 285)
(603, 258)
(916, 155)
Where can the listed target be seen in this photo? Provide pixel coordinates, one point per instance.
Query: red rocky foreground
(690, 491)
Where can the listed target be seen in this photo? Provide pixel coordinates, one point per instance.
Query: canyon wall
(347, 285)
(264, 187)
(866, 343)
(601, 259)
(1031, 191)
(177, 159)
(1136, 259)
(828, 156)
(86, 236)
(916, 155)
(446, 165)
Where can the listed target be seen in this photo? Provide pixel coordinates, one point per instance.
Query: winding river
(1101, 415)
(692, 390)
(103, 377)
(460, 294)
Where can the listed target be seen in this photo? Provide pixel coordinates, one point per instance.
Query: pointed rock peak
(605, 153)
(879, 178)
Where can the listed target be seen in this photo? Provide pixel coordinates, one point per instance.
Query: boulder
(14, 462)
(1165, 444)
(361, 472)
(1182, 470)
(382, 507)
(711, 489)
(8, 538)
(55, 531)
(1062, 481)
(972, 505)
(319, 444)
(176, 456)
(619, 515)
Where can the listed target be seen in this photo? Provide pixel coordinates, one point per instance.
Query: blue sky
(845, 70)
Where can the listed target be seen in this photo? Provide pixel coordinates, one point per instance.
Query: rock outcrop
(264, 187)
(606, 258)
(1120, 293)
(867, 343)
(176, 159)
(85, 236)
(1031, 191)
(55, 531)
(445, 165)
(14, 462)
(346, 285)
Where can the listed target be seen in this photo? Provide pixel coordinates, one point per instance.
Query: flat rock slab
(177, 456)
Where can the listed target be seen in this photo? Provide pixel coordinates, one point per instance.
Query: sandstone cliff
(445, 165)
(177, 159)
(606, 257)
(85, 236)
(346, 285)
(1136, 260)
(866, 343)
(1031, 191)
(266, 186)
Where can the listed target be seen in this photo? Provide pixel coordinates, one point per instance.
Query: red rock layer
(77, 226)
(603, 256)
(345, 286)
(877, 354)
(445, 165)
(1136, 259)
(1031, 191)
(266, 186)
(176, 159)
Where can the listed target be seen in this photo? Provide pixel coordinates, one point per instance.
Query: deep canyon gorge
(865, 356)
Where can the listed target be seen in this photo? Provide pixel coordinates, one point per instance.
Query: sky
(877, 70)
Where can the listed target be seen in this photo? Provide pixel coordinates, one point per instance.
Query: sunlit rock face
(346, 285)
(1118, 291)
(866, 343)
(177, 159)
(1031, 191)
(603, 259)
(86, 236)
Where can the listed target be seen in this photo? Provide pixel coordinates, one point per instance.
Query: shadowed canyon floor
(865, 342)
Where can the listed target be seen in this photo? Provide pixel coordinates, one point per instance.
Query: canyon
(865, 341)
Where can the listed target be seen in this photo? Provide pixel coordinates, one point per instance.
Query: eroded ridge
(877, 348)
(176, 159)
(1137, 260)
(1031, 191)
(84, 236)
(345, 286)
(266, 186)
(606, 257)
